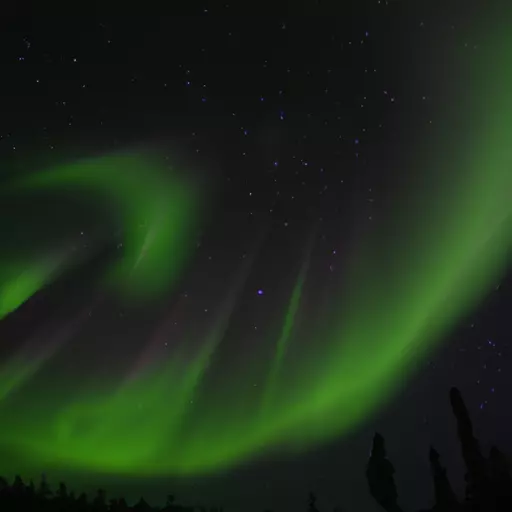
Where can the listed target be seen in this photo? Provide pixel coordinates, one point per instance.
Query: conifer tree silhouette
(379, 474)
(477, 482)
(501, 480)
(312, 503)
(444, 495)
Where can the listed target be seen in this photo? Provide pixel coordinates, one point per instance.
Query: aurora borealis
(201, 399)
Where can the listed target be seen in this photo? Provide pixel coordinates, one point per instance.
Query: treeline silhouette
(488, 483)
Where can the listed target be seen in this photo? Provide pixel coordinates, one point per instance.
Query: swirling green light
(402, 294)
(157, 211)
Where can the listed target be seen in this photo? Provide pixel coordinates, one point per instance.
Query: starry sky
(201, 206)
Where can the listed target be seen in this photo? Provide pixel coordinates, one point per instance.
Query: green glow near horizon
(451, 242)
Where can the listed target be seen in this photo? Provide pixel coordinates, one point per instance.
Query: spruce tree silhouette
(379, 474)
(501, 480)
(62, 501)
(118, 505)
(18, 487)
(142, 506)
(312, 503)
(62, 492)
(31, 496)
(44, 491)
(446, 500)
(82, 503)
(31, 487)
(99, 503)
(477, 481)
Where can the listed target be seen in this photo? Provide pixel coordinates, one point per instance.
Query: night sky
(236, 244)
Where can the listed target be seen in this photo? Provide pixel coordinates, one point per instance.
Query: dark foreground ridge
(488, 483)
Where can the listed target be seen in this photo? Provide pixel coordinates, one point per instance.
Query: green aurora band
(157, 214)
(401, 295)
(19, 281)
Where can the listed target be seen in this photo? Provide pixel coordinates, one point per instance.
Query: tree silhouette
(44, 490)
(379, 473)
(501, 480)
(312, 503)
(100, 501)
(477, 483)
(142, 506)
(489, 483)
(444, 495)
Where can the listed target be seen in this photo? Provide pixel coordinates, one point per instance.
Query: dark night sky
(297, 116)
